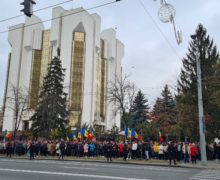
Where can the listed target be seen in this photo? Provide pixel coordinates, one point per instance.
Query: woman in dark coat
(9, 149)
(125, 151)
(31, 149)
(172, 153)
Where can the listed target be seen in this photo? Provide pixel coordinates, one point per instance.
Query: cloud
(155, 60)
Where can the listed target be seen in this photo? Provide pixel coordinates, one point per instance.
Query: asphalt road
(15, 169)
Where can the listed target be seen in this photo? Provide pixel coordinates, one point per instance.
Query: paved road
(15, 169)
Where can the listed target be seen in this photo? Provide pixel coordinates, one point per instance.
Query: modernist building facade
(91, 58)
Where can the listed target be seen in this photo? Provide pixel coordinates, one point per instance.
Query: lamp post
(200, 108)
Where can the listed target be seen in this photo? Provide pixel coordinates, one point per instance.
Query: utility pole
(200, 108)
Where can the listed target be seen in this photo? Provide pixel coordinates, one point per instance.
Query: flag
(91, 135)
(140, 135)
(79, 135)
(134, 133)
(129, 133)
(126, 132)
(67, 139)
(86, 133)
(8, 134)
(71, 136)
(75, 138)
(160, 137)
(82, 131)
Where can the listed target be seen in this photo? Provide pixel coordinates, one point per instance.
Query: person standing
(171, 153)
(139, 150)
(31, 149)
(121, 149)
(194, 153)
(125, 151)
(148, 150)
(8, 149)
(86, 149)
(37, 148)
(216, 148)
(161, 151)
(129, 151)
(165, 151)
(114, 149)
(44, 149)
(62, 149)
(186, 152)
(134, 150)
(91, 149)
(109, 151)
(218, 151)
(156, 150)
(57, 148)
(179, 151)
(53, 148)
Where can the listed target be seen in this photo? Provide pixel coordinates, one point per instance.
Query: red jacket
(120, 147)
(194, 151)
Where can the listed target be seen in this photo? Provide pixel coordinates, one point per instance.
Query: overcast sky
(152, 56)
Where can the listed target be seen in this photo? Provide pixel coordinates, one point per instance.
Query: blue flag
(126, 132)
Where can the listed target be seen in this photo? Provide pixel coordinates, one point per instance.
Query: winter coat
(194, 151)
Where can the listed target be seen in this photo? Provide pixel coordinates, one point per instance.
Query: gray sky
(151, 60)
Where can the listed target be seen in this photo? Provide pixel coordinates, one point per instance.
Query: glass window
(35, 78)
(77, 72)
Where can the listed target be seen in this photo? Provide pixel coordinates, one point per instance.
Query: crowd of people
(172, 151)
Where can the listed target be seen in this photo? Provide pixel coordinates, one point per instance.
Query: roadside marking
(72, 167)
(200, 178)
(207, 175)
(101, 165)
(70, 174)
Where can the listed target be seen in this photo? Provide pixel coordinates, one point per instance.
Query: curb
(113, 162)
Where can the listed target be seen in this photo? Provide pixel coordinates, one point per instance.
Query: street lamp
(200, 107)
(167, 14)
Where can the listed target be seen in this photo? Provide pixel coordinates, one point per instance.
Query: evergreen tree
(167, 103)
(51, 112)
(214, 103)
(164, 114)
(140, 110)
(158, 106)
(187, 103)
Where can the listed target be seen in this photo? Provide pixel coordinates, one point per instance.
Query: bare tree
(122, 93)
(18, 103)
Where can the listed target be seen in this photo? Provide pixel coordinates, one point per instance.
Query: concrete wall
(115, 53)
(22, 42)
(24, 39)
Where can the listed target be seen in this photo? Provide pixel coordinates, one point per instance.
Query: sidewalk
(210, 164)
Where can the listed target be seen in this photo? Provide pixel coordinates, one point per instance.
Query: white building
(91, 58)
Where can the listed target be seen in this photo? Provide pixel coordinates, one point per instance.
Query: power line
(83, 10)
(157, 26)
(14, 17)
